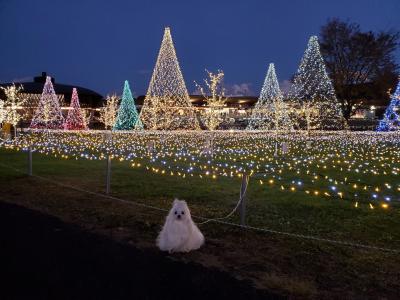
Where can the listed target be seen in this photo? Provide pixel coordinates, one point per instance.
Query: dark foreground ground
(44, 258)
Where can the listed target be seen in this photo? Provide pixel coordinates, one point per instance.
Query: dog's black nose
(179, 216)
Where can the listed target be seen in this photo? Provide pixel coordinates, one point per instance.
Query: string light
(215, 95)
(108, 113)
(167, 105)
(313, 92)
(127, 117)
(270, 111)
(75, 120)
(391, 118)
(48, 113)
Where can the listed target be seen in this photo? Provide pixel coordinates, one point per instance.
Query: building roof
(87, 97)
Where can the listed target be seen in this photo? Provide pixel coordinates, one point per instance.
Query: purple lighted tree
(48, 113)
(75, 120)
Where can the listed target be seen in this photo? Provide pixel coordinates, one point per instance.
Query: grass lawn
(287, 265)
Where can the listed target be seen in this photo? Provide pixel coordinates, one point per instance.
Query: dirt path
(44, 258)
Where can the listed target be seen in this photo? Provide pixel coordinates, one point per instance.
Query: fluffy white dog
(179, 233)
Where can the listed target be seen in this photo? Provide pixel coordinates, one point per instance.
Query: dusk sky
(99, 44)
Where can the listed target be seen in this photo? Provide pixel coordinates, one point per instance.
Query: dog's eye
(175, 212)
(183, 213)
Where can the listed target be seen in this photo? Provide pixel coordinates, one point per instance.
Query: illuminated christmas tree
(48, 114)
(167, 105)
(128, 117)
(313, 91)
(391, 118)
(75, 119)
(270, 111)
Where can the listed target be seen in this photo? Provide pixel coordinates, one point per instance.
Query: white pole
(243, 188)
(30, 161)
(108, 175)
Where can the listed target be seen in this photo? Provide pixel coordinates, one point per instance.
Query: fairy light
(391, 118)
(178, 153)
(108, 113)
(167, 105)
(48, 113)
(270, 111)
(75, 120)
(215, 95)
(313, 91)
(10, 111)
(127, 117)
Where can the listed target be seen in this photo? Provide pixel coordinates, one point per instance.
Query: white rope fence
(219, 220)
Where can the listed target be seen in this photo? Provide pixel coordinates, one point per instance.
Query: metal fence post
(108, 175)
(29, 161)
(243, 189)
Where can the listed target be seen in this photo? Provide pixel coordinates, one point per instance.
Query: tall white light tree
(12, 109)
(48, 113)
(108, 113)
(167, 105)
(271, 111)
(215, 96)
(313, 92)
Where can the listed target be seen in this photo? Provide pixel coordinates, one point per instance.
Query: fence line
(218, 220)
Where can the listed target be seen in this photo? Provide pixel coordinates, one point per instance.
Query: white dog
(179, 233)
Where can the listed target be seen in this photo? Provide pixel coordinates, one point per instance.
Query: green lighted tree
(128, 117)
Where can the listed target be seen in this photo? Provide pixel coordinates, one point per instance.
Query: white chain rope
(219, 220)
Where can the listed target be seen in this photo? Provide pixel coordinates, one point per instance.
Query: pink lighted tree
(75, 120)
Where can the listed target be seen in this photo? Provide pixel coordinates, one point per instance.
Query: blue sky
(99, 44)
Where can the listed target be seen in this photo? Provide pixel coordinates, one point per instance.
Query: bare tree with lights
(215, 96)
(167, 105)
(271, 111)
(108, 113)
(313, 93)
(12, 106)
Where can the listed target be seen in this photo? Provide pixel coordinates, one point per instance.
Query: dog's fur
(179, 233)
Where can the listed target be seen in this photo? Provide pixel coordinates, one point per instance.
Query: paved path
(43, 258)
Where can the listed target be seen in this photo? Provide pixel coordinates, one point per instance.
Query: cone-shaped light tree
(391, 117)
(313, 92)
(48, 113)
(167, 105)
(128, 117)
(75, 119)
(270, 111)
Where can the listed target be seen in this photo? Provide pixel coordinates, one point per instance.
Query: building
(32, 91)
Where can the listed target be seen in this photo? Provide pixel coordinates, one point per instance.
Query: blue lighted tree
(128, 117)
(391, 118)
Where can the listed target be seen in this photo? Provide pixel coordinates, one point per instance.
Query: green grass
(267, 207)
(289, 266)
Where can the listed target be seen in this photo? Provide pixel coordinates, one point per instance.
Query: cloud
(239, 89)
(23, 79)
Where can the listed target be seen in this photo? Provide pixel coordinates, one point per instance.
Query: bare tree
(108, 113)
(361, 64)
(215, 96)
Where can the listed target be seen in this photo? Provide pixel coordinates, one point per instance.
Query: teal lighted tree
(128, 117)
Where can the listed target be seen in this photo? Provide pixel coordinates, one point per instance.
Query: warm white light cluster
(271, 111)
(215, 97)
(11, 108)
(167, 105)
(313, 92)
(108, 113)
